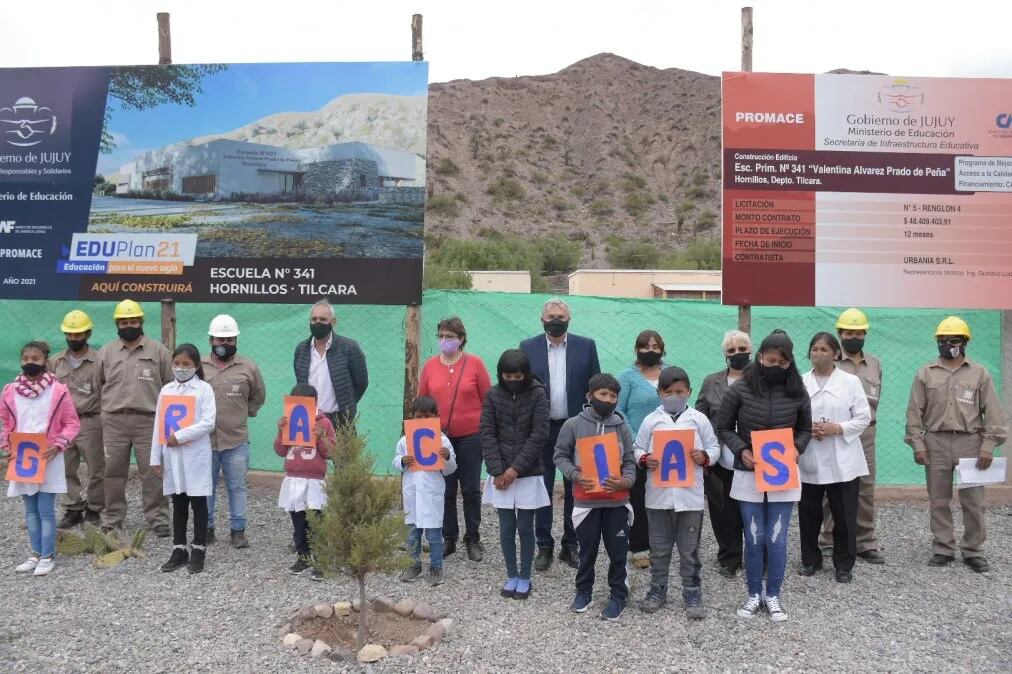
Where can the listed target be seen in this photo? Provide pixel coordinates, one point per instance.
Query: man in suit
(565, 363)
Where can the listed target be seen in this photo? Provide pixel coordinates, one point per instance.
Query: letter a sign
(26, 462)
(672, 449)
(424, 440)
(174, 413)
(301, 414)
(776, 469)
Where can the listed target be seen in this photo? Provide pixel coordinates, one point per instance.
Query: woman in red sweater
(459, 381)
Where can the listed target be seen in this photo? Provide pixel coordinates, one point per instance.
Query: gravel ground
(900, 617)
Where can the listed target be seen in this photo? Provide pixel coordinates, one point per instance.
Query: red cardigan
(437, 382)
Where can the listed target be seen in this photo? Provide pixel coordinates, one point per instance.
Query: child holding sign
(514, 430)
(305, 470)
(423, 487)
(38, 423)
(674, 443)
(595, 452)
(181, 454)
(765, 420)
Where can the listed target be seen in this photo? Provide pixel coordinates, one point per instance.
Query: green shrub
(698, 254)
(442, 204)
(441, 278)
(446, 167)
(539, 178)
(634, 255)
(706, 220)
(686, 205)
(699, 178)
(508, 253)
(559, 204)
(632, 182)
(601, 207)
(558, 254)
(506, 188)
(637, 203)
(697, 193)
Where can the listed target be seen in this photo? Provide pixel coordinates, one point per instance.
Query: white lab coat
(676, 498)
(838, 458)
(186, 469)
(33, 417)
(424, 491)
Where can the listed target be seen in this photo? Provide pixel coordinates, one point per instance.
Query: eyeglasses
(446, 335)
(741, 349)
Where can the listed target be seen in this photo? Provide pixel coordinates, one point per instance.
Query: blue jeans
(766, 526)
(234, 463)
(435, 538)
(40, 516)
(511, 523)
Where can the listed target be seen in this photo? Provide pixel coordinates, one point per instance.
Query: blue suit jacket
(581, 365)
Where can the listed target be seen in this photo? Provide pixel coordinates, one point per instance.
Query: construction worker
(132, 370)
(239, 393)
(954, 413)
(852, 328)
(77, 368)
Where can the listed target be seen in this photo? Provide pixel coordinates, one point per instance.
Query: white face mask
(184, 374)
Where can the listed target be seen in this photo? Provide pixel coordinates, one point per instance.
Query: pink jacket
(63, 421)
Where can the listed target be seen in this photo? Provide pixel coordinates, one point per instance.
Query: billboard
(263, 182)
(867, 190)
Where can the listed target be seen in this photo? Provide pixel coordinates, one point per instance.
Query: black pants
(842, 497)
(181, 504)
(468, 451)
(639, 535)
(543, 518)
(612, 525)
(300, 524)
(725, 516)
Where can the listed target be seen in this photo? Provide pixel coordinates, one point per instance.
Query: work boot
(178, 559)
(410, 574)
(475, 551)
(196, 560)
(92, 517)
(872, 556)
(693, 600)
(70, 519)
(161, 530)
(940, 560)
(977, 564)
(543, 560)
(655, 599)
(238, 539)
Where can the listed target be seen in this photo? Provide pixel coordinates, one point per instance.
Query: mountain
(604, 148)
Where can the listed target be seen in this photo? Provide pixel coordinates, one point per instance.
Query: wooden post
(168, 304)
(413, 313)
(744, 310)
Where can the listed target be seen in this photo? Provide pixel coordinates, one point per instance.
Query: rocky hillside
(605, 148)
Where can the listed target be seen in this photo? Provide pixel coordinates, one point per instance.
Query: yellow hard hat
(127, 309)
(954, 325)
(76, 321)
(852, 319)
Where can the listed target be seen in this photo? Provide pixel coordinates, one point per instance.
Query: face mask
(130, 334)
(739, 360)
(853, 345)
(648, 358)
(555, 327)
(321, 330)
(77, 344)
(33, 369)
(602, 408)
(448, 347)
(225, 351)
(949, 352)
(774, 374)
(513, 387)
(674, 404)
(184, 373)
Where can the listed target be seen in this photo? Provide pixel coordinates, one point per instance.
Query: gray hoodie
(584, 425)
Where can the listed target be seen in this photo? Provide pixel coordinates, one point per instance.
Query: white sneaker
(777, 613)
(28, 565)
(751, 607)
(44, 567)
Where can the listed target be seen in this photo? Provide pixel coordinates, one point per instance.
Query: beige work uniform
(131, 380)
(868, 369)
(239, 393)
(954, 415)
(86, 394)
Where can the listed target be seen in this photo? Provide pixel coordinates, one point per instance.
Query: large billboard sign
(867, 190)
(258, 182)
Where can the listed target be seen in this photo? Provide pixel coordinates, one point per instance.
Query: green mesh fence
(902, 338)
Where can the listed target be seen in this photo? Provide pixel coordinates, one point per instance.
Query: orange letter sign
(599, 458)
(776, 469)
(424, 440)
(672, 449)
(301, 414)
(174, 413)
(26, 462)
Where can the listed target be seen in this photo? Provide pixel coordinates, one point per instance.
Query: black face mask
(773, 375)
(76, 345)
(853, 345)
(33, 369)
(556, 327)
(321, 330)
(739, 360)
(224, 351)
(601, 408)
(648, 358)
(513, 387)
(130, 334)
(945, 350)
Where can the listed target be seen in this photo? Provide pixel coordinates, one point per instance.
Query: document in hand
(967, 474)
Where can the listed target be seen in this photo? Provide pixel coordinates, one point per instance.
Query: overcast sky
(475, 39)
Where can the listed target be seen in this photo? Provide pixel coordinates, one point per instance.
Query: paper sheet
(967, 474)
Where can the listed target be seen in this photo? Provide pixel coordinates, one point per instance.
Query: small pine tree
(361, 528)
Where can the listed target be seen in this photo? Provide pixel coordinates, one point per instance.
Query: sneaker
(509, 587)
(580, 603)
(570, 555)
(44, 567)
(693, 600)
(654, 600)
(211, 538)
(92, 517)
(543, 560)
(751, 607)
(523, 589)
(777, 613)
(196, 564)
(641, 560)
(475, 551)
(435, 576)
(315, 574)
(612, 610)
(70, 519)
(410, 574)
(27, 566)
(299, 567)
(178, 559)
(238, 539)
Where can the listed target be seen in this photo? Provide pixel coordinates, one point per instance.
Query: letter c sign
(424, 439)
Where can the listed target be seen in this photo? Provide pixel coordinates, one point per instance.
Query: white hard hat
(223, 325)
